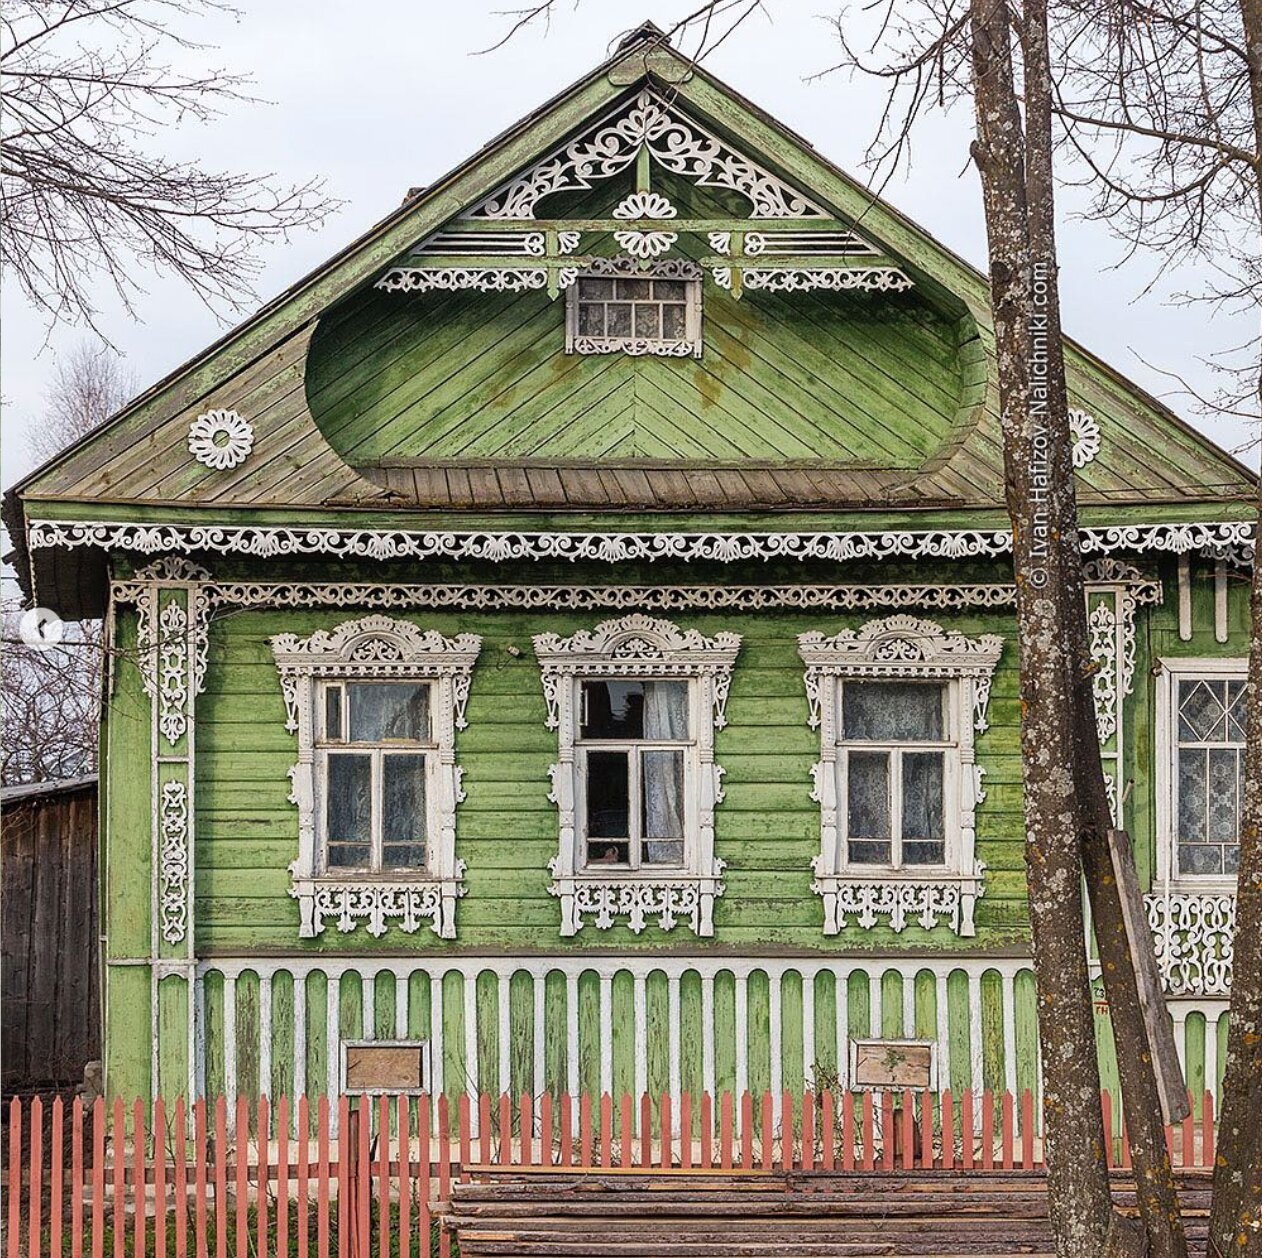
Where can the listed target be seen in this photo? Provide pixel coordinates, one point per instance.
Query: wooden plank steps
(608, 1213)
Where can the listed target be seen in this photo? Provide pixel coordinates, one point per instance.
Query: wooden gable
(369, 392)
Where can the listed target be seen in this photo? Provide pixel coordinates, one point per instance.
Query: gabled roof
(137, 465)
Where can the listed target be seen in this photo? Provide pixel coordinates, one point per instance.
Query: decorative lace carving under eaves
(1194, 937)
(674, 140)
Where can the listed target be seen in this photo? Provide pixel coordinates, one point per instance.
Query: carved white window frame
(639, 647)
(901, 647)
(629, 269)
(1172, 670)
(378, 648)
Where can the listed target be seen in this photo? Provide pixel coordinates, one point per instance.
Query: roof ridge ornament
(676, 141)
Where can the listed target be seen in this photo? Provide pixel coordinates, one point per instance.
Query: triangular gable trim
(676, 141)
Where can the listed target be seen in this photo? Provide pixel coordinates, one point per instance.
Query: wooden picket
(178, 1179)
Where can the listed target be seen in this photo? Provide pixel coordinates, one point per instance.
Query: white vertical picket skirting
(482, 1019)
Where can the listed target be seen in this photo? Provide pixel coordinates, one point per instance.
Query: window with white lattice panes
(1211, 736)
(639, 312)
(1201, 726)
(894, 744)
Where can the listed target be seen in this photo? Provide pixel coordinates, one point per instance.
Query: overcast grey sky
(382, 95)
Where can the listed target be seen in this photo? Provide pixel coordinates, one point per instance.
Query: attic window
(618, 307)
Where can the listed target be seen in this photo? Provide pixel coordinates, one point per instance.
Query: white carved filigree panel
(638, 646)
(1194, 937)
(377, 647)
(174, 866)
(674, 140)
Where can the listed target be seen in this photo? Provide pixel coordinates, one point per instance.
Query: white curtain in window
(665, 717)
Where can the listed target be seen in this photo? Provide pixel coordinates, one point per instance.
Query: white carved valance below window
(407, 905)
(898, 903)
(638, 903)
(1193, 935)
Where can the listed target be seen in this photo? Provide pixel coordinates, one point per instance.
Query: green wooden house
(573, 628)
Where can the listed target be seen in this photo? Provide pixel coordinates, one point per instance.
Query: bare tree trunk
(1235, 1224)
(1035, 474)
(1154, 1176)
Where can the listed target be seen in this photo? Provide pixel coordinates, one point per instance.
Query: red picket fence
(265, 1180)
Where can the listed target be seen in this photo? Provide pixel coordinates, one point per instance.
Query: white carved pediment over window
(640, 648)
(378, 648)
(894, 894)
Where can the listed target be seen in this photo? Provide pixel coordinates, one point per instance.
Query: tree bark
(1235, 1224)
(1154, 1177)
(1035, 473)
(1058, 715)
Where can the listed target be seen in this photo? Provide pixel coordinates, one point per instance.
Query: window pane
(403, 827)
(663, 818)
(1231, 858)
(1200, 858)
(892, 711)
(1192, 785)
(349, 788)
(612, 709)
(648, 320)
(633, 290)
(868, 807)
(1201, 710)
(590, 289)
(591, 320)
(1236, 711)
(608, 807)
(674, 323)
(670, 290)
(386, 711)
(333, 713)
(618, 315)
(1224, 818)
(924, 834)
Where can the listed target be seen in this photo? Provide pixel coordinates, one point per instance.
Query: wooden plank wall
(48, 914)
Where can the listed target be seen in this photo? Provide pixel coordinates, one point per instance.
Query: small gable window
(619, 307)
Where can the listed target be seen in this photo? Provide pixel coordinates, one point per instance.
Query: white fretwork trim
(651, 243)
(641, 901)
(805, 244)
(173, 822)
(660, 598)
(450, 279)
(274, 542)
(1085, 431)
(901, 646)
(1114, 590)
(375, 647)
(220, 439)
(638, 646)
(899, 902)
(674, 140)
(523, 244)
(829, 279)
(1194, 935)
(406, 904)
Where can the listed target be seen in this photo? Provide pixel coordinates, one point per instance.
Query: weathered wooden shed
(50, 1010)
